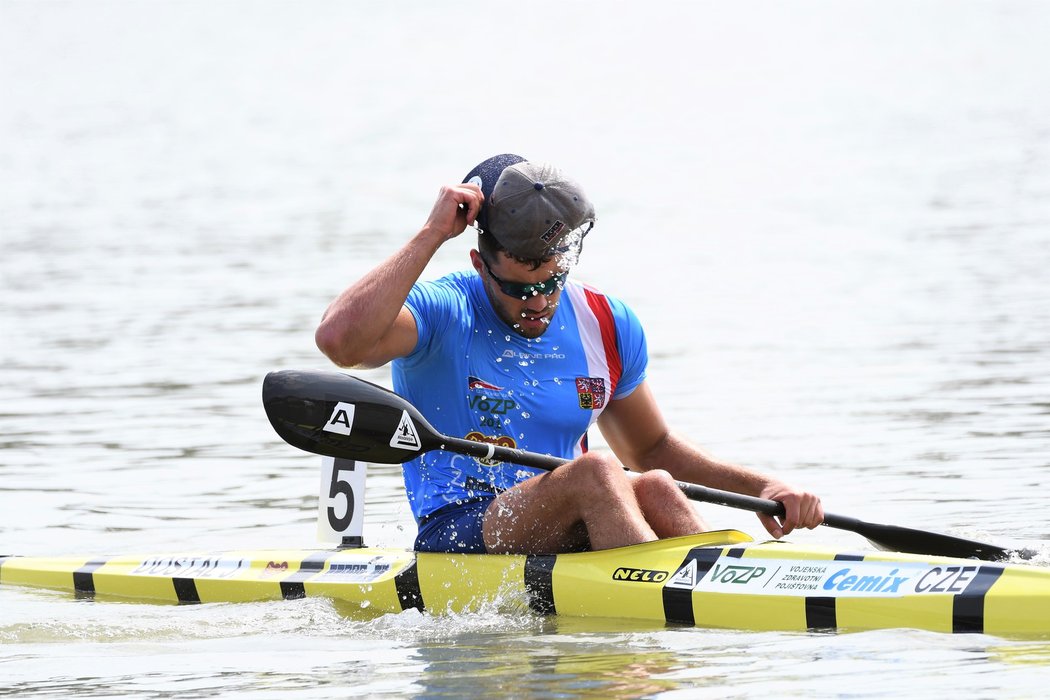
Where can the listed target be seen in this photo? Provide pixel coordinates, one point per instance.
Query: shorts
(455, 529)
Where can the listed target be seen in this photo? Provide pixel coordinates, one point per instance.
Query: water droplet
(526, 415)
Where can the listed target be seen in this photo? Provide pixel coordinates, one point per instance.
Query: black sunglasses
(522, 290)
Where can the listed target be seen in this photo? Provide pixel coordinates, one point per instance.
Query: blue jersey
(474, 377)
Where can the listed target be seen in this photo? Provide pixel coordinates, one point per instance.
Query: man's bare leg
(666, 509)
(590, 499)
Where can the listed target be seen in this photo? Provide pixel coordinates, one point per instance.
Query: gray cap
(531, 208)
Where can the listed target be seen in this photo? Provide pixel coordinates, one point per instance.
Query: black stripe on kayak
(293, 588)
(186, 590)
(678, 599)
(820, 613)
(968, 606)
(539, 582)
(84, 578)
(736, 552)
(406, 583)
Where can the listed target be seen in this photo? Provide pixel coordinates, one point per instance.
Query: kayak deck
(717, 579)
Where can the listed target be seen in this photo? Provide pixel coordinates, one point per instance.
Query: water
(832, 218)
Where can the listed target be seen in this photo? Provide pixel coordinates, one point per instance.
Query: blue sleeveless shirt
(472, 376)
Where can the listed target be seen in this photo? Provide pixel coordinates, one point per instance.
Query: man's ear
(476, 261)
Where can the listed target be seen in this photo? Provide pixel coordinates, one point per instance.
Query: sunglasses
(522, 290)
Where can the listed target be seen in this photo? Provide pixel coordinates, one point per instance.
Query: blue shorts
(454, 528)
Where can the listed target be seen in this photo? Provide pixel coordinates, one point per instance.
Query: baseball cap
(531, 208)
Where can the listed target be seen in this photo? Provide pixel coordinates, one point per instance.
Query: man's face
(528, 310)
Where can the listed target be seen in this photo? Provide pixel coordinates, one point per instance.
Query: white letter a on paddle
(342, 419)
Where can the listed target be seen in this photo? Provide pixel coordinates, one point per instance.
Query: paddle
(335, 414)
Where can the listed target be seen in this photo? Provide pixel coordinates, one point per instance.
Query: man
(516, 353)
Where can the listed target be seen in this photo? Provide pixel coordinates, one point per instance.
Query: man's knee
(655, 484)
(595, 471)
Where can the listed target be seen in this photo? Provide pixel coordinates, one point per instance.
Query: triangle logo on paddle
(405, 437)
(684, 577)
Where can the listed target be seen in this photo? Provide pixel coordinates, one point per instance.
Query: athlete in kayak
(517, 353)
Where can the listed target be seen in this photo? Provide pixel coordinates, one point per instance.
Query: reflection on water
(1034, 653)
(835, 232)
(532, 667)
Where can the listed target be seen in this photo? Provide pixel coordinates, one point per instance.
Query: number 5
(340, 508)
(338, 486)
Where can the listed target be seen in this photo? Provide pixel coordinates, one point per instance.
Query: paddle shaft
(694, 492)
(890, 537)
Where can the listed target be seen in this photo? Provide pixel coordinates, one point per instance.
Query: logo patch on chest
(591, 392)
(476, 383)
(498, 441)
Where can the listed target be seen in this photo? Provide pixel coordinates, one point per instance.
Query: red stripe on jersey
(603, 312)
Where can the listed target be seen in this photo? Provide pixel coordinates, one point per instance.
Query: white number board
(341, 505)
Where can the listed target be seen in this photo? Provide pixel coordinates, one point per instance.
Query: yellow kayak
(717, 579)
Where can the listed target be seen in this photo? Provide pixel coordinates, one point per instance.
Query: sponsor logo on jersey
(497, 440)
(473, 484)
(491, 410)
(518, 354)
(476, 383)
(591, 392)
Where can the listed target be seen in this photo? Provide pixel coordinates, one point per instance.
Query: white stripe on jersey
(591, 338)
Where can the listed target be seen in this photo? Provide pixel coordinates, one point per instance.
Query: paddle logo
(342, 419)
(406, 437)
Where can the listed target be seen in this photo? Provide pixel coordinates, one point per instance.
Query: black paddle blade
(904, 539)
(334, 414)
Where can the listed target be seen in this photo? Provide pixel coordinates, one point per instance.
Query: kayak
(719, 579)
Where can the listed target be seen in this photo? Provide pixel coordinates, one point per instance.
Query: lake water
(833, 218)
